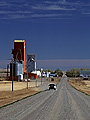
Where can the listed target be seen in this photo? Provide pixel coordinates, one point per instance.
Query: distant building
(85, 73)
(31, 62)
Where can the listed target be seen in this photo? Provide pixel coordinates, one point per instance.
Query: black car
(52, 86)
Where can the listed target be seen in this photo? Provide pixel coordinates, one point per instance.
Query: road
(65, 103)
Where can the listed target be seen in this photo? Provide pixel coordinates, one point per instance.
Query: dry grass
(7, 85)
(20, 90)
(7, 97)
(82, 85)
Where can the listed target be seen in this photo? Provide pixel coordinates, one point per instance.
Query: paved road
(65, 103)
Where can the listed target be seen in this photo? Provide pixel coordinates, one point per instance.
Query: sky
(55, 30)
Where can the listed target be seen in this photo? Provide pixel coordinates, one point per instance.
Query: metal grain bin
(18, 68)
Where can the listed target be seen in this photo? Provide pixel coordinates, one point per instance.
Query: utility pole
(12, 75)
(7, 70)
(41, 75)
(27, 76)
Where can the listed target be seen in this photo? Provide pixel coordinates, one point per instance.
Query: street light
(7, 70)
(27, 73)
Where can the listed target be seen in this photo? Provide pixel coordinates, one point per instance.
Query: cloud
(15, 12)
(50, 15)
(86, 13)
(74, 5)
(20, 9)
(51, 7)
(3, 4)
(17, 16)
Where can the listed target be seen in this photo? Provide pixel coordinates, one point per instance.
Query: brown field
(19, 90)
(82, 85)
(7, 85)
(7, 97)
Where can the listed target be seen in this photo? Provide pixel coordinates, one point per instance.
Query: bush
(73, 72)
(59, 72)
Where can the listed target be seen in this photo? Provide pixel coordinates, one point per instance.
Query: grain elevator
(19, 51)
(18, 65)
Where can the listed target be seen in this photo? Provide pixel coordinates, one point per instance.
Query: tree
(74, 72)
(59, 72)
(51, 71)
(84, 69)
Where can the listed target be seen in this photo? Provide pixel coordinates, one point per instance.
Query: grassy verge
(81, 86)
(8, 97)
(20, 99)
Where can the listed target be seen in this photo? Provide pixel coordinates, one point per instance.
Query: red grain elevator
(19, 51)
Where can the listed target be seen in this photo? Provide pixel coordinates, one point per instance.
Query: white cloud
(3, 4)
(43, 9)
(65, 3)
(61, 16)
(86, 13)
(13, 12)
(17, 16)
(45, 15)
(51, 7)
(8, 4)
(5, 12)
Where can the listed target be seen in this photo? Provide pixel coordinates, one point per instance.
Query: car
(52, 79)
(52, 86)
(85, 78)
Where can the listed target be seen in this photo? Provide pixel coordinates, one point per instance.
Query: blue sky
(53, 29)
